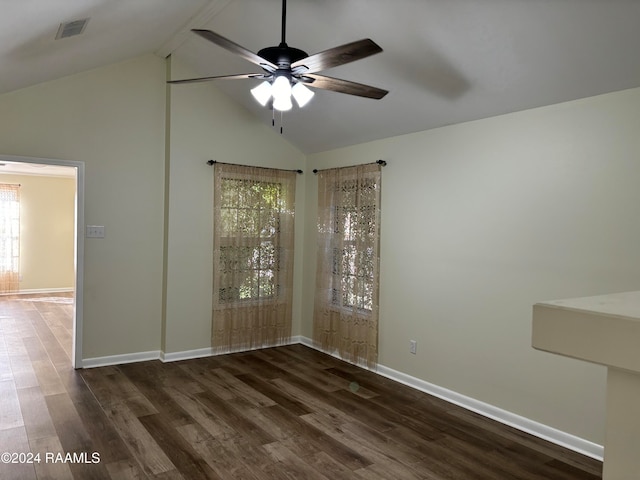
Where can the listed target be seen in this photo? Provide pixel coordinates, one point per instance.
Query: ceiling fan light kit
(288, 72)
(281, 92)
(262, 93)
(302, 94)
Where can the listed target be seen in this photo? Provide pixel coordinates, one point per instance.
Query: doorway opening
(60, 275)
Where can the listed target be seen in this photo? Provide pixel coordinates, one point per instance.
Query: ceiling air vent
(70, 29)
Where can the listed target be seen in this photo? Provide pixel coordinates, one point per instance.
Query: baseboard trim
(524, 424)
(210, 352)
(165, 357)
(36, 291)
(540, 430)
(186, 355)
(120, 359)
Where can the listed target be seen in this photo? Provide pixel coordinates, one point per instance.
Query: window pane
(250, 213)
(9, 229)
(355, 226)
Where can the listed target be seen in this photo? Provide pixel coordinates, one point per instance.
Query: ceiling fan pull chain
(281, 118)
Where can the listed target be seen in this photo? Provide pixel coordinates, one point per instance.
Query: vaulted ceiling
(444, 62)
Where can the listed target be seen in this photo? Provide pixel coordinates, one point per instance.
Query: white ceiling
(444, 61)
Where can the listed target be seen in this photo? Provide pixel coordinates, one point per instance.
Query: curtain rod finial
(211, 162)
(382, 162)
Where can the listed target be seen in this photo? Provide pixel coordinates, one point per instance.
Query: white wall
(111, 118)
(205, 124)
(483, 219)
(47, 224)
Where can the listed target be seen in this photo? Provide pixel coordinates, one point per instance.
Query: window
(9, 237)
(346, 302)
(250, 211)
(253, 257)
(354, 259)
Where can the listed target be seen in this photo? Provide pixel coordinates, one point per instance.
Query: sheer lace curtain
(253, 257)
(346, 301)
(9, 238)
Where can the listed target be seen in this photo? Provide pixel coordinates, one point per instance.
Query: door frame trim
(76, 346)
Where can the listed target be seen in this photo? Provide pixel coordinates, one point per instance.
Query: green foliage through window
(249, 238)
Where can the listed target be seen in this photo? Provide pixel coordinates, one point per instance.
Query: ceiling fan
(288, 71)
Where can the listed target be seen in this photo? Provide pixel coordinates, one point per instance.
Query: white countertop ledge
(602, 329)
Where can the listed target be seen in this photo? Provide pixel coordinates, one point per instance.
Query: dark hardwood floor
(279, 413)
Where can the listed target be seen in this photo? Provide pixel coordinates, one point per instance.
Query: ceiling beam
(199, 20)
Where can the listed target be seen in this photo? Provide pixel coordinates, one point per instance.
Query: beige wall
(483, 219)
(111, 118)
(47, 223)
(206, 124)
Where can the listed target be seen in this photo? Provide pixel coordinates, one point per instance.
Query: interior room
(510, 136)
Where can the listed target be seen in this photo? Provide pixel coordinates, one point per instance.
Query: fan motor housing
(282, 55)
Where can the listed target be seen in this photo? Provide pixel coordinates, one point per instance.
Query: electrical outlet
(413, 346)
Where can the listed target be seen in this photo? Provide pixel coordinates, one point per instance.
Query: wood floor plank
(73, 438)
(342, 401)
(324, 462)
(211, 380)
(179, 451)
(318, 439)
(143, 376)
(15, 344)
(206, 418)
(253, 433)
(10, 413)
(386, 461)
(5, 362)
(252, 456)
(22, 370)
(381, 386)
(111, 387)
(125, 470)
(222, 460)
(47, 468)
(308, 371)
(15, 440)
(37, 420)
(45, 371)
(258, 367)
(242, 390)
(293, 466)
(150, 456)
(271, 391)
(310, 401)
(55, 351)
(106, 440)
(310, 357)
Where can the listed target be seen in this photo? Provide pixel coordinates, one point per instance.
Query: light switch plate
(95, 231)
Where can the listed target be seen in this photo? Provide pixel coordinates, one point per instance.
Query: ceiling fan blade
(343, 86)
(233, 47)
(220, 77)
(349, 52)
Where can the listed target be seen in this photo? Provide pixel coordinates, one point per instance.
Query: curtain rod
(213, 162)
(382, 163)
